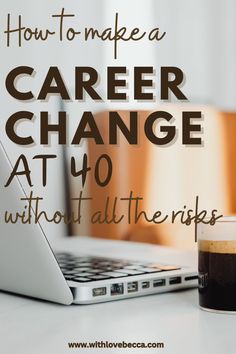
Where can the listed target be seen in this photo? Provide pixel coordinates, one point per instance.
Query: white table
(35, 327)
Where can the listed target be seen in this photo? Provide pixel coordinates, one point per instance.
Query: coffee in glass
(217, 265)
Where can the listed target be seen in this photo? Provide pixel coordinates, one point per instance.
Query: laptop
(30, 267)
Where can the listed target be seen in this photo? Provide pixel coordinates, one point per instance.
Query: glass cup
(217, 265)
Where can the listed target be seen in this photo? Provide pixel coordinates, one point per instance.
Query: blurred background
(201, 40)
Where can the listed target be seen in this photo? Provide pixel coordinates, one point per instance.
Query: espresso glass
(217, 265)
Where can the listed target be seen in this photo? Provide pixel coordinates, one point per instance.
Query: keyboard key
(113, 268)
(62, 261)
(169, 267)
(139, 264)
(104, 264)
(58, 254)
(83, 274)
(82, 259)
(83, 264)
(154, 265)
(119, 264)
(99, 277)
(81, 269)
(132, 267)
(114, 274)
(69, 277)
(99, 260)
(69, 272)
(164, 266)
(131, 271)
(108, 269)
(81, 279)
(66, 266)
(94, 271)
(149, 270)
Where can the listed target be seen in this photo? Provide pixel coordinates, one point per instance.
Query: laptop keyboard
(87, 269)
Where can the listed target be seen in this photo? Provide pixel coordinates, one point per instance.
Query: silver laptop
(28, 265)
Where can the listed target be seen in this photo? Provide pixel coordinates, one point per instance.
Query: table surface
(30, 326)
